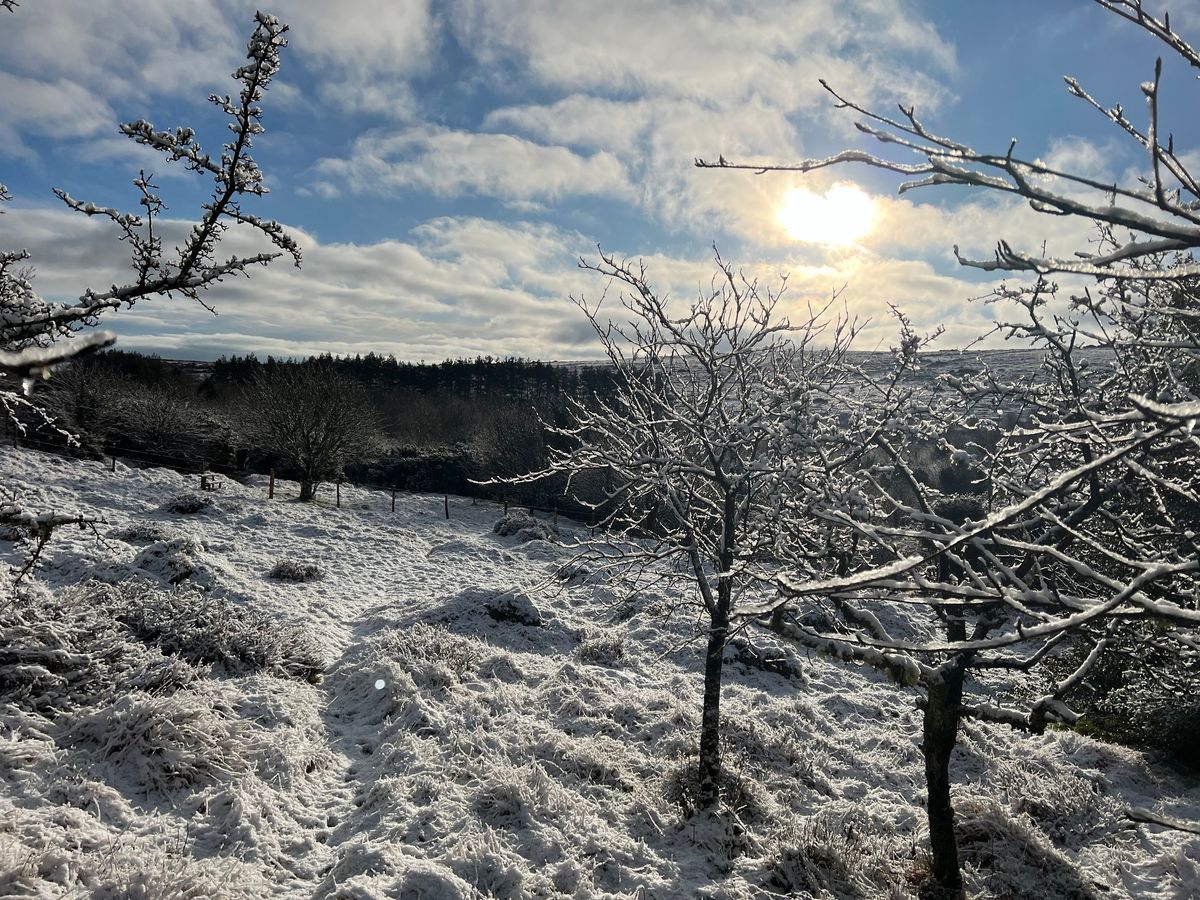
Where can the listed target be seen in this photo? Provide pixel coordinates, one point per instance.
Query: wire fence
(205, 467)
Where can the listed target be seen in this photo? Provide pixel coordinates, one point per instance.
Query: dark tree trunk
(307, 490)
(709, 790)
(940, 728)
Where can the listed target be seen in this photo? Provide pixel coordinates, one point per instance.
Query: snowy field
(438, 716)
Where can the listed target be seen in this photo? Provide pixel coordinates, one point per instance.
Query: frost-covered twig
(36, 334)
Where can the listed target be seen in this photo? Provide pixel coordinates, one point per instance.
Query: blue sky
(444, 164)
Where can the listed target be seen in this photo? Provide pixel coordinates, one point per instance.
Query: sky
(445, 165)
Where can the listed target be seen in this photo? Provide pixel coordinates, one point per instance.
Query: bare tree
(707, 400)
(312, 415)
(85, 398)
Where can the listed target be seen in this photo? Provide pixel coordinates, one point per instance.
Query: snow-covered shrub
(1069, 808)
(766, 655)
(601, 648)
(295, 570)
(78, 858)
(525, 526)
(484, 860)
(429, 880)
(1139, 693)
(187, 504)
(740, 798)
(574, 571)
(133, 877)
(172, 562)
(204, 629)
(297, 742)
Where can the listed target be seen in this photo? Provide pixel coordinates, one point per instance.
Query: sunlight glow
(837, 218)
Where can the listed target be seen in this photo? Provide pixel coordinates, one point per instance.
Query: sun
(839, 217)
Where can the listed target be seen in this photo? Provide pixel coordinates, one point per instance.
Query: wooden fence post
(339, 493)
(271, 486)
(446, 501)
(113, 465)
(393, 499)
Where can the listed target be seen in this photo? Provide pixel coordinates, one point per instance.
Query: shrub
(1015, 861)
(165, 745)
(835, 855)
(1140, 693)
(515, 607)
(432, 654)
(61, 653)
(171, 561)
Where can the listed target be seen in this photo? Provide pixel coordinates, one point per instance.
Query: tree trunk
(307, 490)
(940, 728)
(709, 790)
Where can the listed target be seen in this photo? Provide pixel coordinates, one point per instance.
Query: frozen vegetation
(263, 698)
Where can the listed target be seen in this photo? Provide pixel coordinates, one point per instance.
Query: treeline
(511, 378)
(442, 426)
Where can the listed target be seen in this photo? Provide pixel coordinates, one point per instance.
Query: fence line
(191, 467)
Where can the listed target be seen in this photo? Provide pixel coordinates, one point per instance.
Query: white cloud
(447, 162)
(59, 109)
(711, 53)
(364, 51)
(364, 37)
(458, 286)
(129, 49)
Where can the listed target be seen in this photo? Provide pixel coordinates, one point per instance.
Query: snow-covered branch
(1165, 204)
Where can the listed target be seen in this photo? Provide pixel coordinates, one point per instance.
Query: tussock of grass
(295, 570)
(116, 701)
(170, 562)
(144, 533)
(61, 653)
(601, 647)
(208, 630)
(164, 746)
(525, 527)
(1012, 859)
(188, 504)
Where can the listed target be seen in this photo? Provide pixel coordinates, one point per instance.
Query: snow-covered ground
(480, 727)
